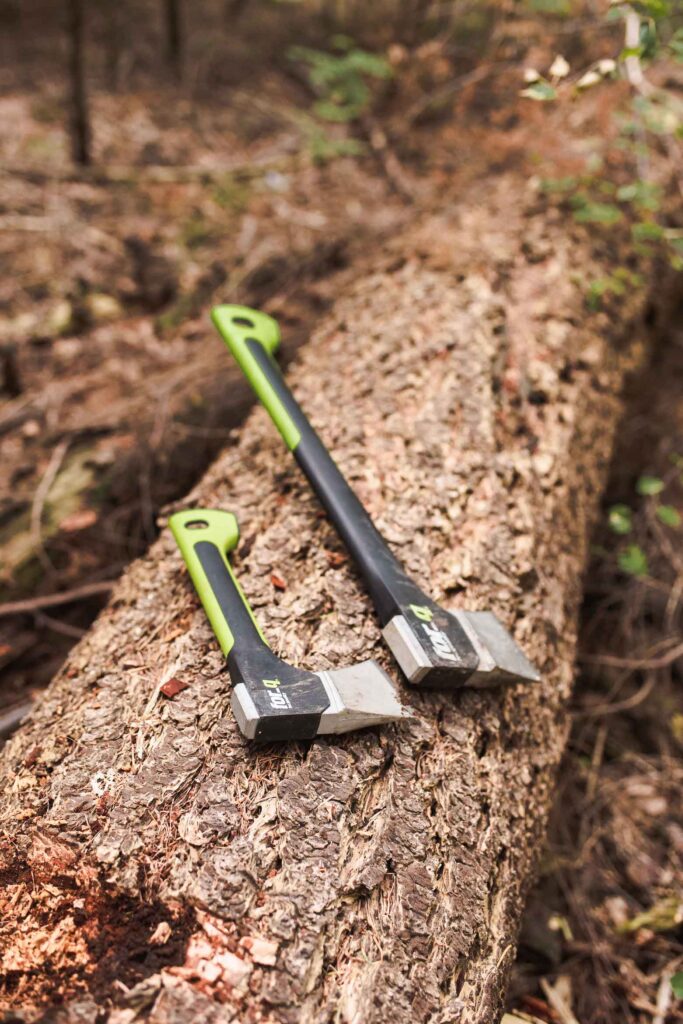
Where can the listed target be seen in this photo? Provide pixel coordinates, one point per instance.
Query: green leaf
(649, 485)
(631, 51)
(668, 515)
(339, 79)
(552, 185)
(647, 231)
(598, 213)
(540, 91)
(594, 163)
(640, 193)
(330, 111)
(620, 519)
(562, 8)
(677, 985)
(653, 8)
(368, 64)
(649, 39)
(633, 561)
(662, 917)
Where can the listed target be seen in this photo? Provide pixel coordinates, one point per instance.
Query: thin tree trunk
(116, 19)
(79, 114)
(158, 860)
(174, 37)
(234, 9)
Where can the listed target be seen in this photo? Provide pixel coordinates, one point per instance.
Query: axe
(272, 700)
(435, 648)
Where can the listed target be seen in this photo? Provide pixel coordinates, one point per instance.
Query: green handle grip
(200, 531)
(241, 329)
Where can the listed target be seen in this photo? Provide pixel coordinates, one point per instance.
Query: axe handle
(205, 536)
(253, 338)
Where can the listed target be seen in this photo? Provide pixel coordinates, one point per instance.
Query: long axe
(434, 647)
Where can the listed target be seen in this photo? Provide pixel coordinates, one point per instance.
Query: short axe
(272, 700)
(434, 647)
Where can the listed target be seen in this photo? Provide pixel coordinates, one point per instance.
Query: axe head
(357, 697)
(446, 650)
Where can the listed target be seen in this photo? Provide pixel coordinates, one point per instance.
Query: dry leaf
(80, 520)
(335, 558)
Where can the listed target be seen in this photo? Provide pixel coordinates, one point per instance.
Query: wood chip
(161, 934)
(172, 687)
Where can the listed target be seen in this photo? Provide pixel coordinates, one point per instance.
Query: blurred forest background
(157, 156)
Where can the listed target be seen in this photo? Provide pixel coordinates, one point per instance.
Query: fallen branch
(34, 604)
(381, 874)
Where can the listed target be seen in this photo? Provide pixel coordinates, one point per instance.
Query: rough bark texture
(471, 401)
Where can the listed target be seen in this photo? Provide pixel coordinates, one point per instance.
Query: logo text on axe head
(278, 699)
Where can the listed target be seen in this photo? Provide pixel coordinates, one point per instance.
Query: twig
(557, 1002)
(18, 411)
(635, 663)
(34, 604)
(479, 73)
(664, 993)
(59, 627)
(154, 174)
(12, 719)
(623, 705)
(39, 500)
(596, 763)
(386, 157)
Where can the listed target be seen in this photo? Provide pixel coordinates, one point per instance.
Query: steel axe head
(273, 708)
(441, 649)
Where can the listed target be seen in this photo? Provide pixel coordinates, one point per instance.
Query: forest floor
(117, 395)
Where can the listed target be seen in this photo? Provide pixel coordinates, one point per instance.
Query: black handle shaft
(390, 589)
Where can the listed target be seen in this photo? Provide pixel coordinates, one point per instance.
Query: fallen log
(156, 863)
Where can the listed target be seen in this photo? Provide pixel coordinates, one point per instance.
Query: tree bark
(79, 115)
(158, 862)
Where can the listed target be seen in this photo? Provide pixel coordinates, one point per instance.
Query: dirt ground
(117, 395)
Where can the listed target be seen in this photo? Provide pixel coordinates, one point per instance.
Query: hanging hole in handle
(196, 524)
(242, 321)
